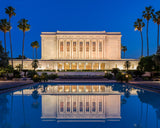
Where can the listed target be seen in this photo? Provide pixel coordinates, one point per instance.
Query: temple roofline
(81, 33)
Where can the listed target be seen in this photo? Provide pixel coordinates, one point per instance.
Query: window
(61, 46)
(81, 107)
(87, 46)
(74, 106)
(61, 106)
(68, 106)
(100, 106)
(94, 46)
(81, 46)
(74, 46)
(87, 106)
(93, 106)
(100, 46)
(68, 46)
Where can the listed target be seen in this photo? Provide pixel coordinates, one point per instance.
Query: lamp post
(126, 78)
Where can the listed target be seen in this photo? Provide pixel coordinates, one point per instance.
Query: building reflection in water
(80, 107)
(79, 103)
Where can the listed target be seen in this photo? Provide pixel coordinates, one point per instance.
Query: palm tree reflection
(25, 125)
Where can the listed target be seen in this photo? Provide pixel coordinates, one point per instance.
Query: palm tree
(36, 46)
(4, 27)
(147, 14)
(10, 11)
(127, 64)
(35, 64)
(124, 49)
(156, 19)
(24, 26)
(138, 25)
(33, 46)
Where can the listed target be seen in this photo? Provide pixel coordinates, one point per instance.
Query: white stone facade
(76, 50)
(81, 45)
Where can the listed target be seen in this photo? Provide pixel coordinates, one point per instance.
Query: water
(80, 106)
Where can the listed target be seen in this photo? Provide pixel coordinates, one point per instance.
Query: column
(77, 88)
(77, 66)
(103, 49)
(62, 66)
(99, 88)
(56, 66)
(84, 50)
(70, 65)
(96, 49)
(84, 65)
(70, 49)
(99, 66)
(57, 49)
(90, 49)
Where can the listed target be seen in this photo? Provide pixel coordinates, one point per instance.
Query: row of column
(78, 66)
(78, 54)
(74, 88)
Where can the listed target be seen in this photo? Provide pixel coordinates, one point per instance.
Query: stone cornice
(80, 33)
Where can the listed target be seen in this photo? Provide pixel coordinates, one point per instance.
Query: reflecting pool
(77, 105)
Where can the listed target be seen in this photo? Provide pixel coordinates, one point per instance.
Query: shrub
(36, 78)
(123, 77)
(138, 73)
(31, 73)
(115, 71)
(44, 77)
(108, 76)
(120, 77)
(16, 74)
(52, 76)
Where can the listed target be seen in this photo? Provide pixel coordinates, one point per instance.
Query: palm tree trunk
(146, 117)
(33, 53)
(147, 39)
(11, 106)
(124, 54)
(23, 48)
(142, 44)
(158, 37)
(36, 53)
(141, 113)
(23, 108)
(10, 43)
(5, 41)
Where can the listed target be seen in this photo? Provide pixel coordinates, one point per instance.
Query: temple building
(80, 50)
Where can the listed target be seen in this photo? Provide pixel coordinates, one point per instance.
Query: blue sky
(80, 15)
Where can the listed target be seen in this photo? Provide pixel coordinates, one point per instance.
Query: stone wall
(78, 64)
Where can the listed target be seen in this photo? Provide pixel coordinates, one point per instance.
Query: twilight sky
(80, 15)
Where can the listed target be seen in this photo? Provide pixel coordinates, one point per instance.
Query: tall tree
(124, 49)
(3, 57)
(4, 27)
(10, 11)
(24, 26)
(156, 19)
(33, 46)
(36, 46)
(147, 14)
(138, 25)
